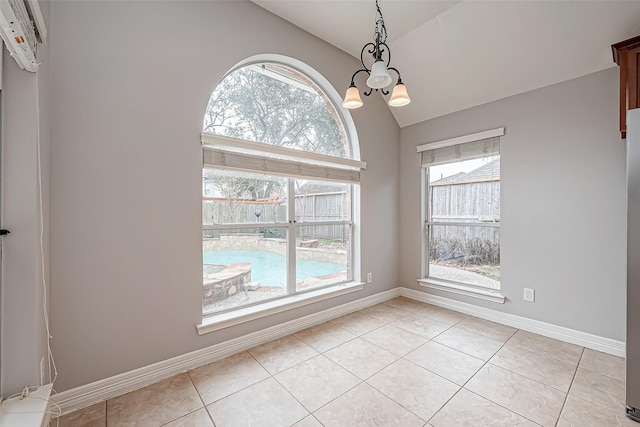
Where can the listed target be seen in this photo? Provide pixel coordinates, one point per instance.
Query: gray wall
(563, 229)
(23, 331)
(130, 84)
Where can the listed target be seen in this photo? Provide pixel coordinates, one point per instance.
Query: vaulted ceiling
(458, 54)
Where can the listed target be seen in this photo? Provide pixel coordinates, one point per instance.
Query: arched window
(280, 184)
(277, 105)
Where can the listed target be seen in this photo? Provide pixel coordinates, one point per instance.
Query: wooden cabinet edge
(628, 70)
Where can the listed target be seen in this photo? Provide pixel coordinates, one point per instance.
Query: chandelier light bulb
(399, 96)
(352, 98)
(380, 76)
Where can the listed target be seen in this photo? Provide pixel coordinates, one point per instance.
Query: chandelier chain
(380, 31)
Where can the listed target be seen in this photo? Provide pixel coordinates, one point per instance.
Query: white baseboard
(99, 391)
(595, 342)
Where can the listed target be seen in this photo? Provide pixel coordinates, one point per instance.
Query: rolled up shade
(223, 159)
(224, 152)
(469, 150)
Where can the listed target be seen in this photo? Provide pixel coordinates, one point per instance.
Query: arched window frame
(237, 154)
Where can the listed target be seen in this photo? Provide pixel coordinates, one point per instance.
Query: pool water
(269, 268)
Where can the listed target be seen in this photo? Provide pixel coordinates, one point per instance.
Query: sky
(443, 171)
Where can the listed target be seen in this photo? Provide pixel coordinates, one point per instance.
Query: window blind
(230, 160)
(469, 150)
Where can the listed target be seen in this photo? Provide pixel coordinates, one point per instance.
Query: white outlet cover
(529, 294)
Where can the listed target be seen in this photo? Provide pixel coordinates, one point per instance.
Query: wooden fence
(469, 202)
(466, 202)
(333, 206)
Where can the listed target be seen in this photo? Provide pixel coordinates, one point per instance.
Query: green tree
(251, 104)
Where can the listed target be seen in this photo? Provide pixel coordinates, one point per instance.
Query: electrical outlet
(369, 277)
(42, 371)
(529, 294)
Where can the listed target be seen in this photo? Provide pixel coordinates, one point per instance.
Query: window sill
(216, 322)
(461, 289)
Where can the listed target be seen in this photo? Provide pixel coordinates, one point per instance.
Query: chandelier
(379, 77)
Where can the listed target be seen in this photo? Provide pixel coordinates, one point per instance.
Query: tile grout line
(548, 338)
(601, 373)
(570, 386)
(201, 400)
(503, 407)
(597, 373)
(341, 394)
(541, 355)
(432, 340)
(310, 413)
(271, 376)
(356, 336)
(292, 366)
(360, 380)
(487, 362)
(401, 405)
(294, 398)
(445, 404)
(365, 381)
(409, 361)
(458, 350)
(353, 339)
(237, 391)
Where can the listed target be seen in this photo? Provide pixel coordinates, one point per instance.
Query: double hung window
(461, 212)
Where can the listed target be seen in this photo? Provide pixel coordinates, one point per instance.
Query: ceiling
(458, 54)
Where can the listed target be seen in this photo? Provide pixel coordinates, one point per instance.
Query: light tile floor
(400, 363)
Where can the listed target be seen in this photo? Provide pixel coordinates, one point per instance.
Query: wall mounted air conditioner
(22, 28)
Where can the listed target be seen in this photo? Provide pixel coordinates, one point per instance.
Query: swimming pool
(269, 267)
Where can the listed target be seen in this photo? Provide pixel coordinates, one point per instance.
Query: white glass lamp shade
(352, 98)
(399, 96)
(379, 76)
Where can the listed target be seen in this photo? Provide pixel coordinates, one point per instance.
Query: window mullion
(291, 241)
(426, 215)
(352, 250)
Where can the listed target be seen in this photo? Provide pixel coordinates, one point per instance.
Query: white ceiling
(458, 54)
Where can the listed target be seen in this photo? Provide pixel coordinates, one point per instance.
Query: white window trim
(492, 133)
(215, 322)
